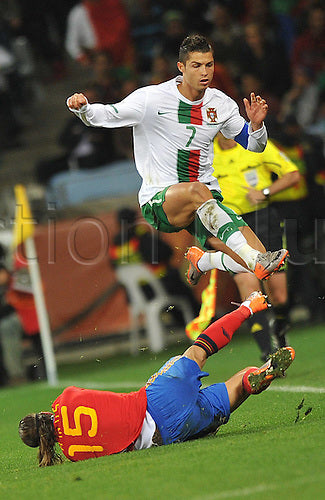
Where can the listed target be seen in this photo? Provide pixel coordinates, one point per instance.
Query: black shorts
(266, 224)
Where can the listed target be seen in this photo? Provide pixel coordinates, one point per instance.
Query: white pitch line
(129, 384)
(260, 488)
(297, 388)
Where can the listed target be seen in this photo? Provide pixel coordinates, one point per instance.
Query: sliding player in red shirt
(171, 408)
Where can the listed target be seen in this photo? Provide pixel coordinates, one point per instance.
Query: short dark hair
(193, 43)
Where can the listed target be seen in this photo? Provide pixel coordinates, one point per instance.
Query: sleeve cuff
(245, 309)
(257, 134)
(83, 108)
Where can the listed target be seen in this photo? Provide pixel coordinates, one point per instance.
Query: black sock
(260, 328)
(281, 323)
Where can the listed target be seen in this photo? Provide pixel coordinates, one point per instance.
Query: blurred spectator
(259, 12)
(84, 147)
(45, 30)
(11, 333)
(99, 25)
(20, 297)
(194, 15)
(223, 81)
(173, 35)
(282, 9)
(104, 77)
(11, 89)
(266, 58)
(160, 70)
(123, 142)
(251, 82)
(309, 47)
(225, 36)
(302, 99)
(138, 243)
(146, 30)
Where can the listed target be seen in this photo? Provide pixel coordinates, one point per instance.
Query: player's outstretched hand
(256, 110)
(77, 101)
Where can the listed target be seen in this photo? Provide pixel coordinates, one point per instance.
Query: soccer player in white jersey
(174, 124)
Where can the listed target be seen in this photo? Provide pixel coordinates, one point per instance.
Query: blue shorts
(178, 405)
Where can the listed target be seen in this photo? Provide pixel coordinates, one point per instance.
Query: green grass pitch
(261, 452)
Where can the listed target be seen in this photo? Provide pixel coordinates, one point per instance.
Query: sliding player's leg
(220, 333)
(253, 380)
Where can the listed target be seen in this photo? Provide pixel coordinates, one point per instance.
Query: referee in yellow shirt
(248, 181)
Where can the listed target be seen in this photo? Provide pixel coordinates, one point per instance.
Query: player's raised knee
(199, 192)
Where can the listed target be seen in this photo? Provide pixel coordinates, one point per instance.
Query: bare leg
(197, 354)
(182, 200)
(252, 239)
(185, 200)
(236, 392)
(220, 333)
(246, 284)
(276, 287)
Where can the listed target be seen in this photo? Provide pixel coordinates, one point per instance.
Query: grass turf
(261, 451)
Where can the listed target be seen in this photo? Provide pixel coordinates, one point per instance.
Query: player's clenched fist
(77, 101)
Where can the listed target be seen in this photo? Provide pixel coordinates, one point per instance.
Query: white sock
(221, 261)
(213, 218)
(239, 245)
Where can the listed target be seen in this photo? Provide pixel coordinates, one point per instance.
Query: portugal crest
(212, 115)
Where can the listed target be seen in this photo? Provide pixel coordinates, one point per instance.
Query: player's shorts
(178, 405)
(266, 224)
(154, 213)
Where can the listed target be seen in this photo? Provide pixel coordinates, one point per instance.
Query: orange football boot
(193, 274)
(257, 380)
(269, 262)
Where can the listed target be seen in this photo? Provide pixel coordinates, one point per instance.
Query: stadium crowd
(274, 48)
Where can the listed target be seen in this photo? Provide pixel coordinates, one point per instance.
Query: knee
(199, 193)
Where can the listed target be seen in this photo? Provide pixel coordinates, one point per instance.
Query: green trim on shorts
(154, 213)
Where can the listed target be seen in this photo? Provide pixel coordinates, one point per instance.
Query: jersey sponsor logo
(163, 112)
(212, 115)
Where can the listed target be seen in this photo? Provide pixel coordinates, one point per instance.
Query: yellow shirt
(238, 168)
(299, 190)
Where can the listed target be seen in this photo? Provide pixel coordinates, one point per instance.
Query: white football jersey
(173, 136)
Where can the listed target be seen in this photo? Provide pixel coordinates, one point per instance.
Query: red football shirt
(95, 423)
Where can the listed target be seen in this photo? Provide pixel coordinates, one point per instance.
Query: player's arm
(277, 162)
(252, 135)
(126, 113)
(280, 184)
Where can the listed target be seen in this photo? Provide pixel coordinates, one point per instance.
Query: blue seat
(74, 187)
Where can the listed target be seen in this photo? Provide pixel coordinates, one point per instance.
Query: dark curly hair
(193, 43)
(37, 429)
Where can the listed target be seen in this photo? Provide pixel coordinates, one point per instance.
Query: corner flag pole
(23, 233)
